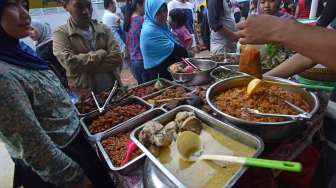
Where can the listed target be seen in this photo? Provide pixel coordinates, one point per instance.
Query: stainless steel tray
(226, 129)
(170, 83)
(87, 120)
(212, 73)
(92, 111)
(85, 114)
(160, 92)
(137, 162)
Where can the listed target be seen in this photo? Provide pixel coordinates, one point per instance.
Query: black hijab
(11, 52)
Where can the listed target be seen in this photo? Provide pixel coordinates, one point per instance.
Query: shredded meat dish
(267, 99)
(116, 148)
(114, 116)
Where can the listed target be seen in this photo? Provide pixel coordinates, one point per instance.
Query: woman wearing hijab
(39, 125)
(158, 46)
(41, 33)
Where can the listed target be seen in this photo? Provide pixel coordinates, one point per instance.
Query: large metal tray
(87, 120)
(137, 162)
(160, 92)
(213, 72)
(92, 111)
(84, 114)
(168, 82)
(163, 80)
(226, 129)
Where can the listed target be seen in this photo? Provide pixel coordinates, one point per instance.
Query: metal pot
(197, 78)
(268, 131)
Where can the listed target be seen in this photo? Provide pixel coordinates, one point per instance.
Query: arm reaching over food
(269, 29)
(294, 65)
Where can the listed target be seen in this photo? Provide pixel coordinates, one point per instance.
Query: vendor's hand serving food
(259, 29)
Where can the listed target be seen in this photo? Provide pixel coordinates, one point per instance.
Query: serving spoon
(190, 148)
(254, 84)
(131, 146)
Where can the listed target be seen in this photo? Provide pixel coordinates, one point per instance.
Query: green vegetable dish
(225, 73)
(273, 55)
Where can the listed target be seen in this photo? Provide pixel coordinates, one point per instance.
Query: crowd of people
(38, 122)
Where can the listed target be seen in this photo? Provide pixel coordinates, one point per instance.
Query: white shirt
(175, 4)
(111, 19)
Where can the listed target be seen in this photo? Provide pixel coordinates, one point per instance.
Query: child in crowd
(177, 21)
(134, 18)
(272, 7)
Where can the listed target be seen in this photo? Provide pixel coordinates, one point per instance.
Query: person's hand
(233, 37)
(84, 183)
(101, 53)
(261, 29)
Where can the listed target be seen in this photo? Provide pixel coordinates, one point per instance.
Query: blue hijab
(12, 53)
(156, 41)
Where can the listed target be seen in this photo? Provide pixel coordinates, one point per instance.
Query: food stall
(136, 133)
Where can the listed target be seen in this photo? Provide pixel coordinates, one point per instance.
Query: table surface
(286, 150)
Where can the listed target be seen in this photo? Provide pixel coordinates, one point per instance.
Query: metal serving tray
(86, 121)
(168, 82)
(85, 114)
(93, 111)
(160, 92)
(212, 74)
(226, 129)
(163, 80)
(137, 162)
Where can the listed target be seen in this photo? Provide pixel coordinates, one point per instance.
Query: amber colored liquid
(206, 174)
(250, 61)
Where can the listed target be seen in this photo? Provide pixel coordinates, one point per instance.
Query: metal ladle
(190, 148)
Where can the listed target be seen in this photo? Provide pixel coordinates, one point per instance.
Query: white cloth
(112, 20)
(175, 4)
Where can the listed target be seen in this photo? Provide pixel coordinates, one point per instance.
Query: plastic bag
(250, 61)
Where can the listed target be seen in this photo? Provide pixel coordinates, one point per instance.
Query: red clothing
(183, 35)
(291, 11)
(303, 10)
